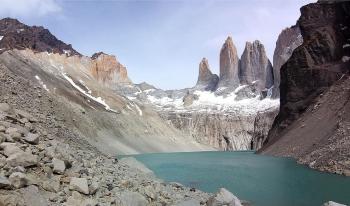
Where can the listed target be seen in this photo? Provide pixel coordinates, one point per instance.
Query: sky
(159, 41)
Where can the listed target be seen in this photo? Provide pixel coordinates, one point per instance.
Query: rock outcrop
(314, 91)
(288, 40)
(255, 66)
(229, 65)
(206, 79)
(16, 35)
(106, 69)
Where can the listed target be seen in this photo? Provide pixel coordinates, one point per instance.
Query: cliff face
(255, 66)
(288, 40)
(106, 69)
(229, 63)
(320, 62)
(223, 131)
(15, 35)
(206, 79)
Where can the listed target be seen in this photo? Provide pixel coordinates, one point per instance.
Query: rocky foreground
(46, 161)
(41, 168)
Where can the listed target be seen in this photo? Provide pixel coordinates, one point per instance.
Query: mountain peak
(16, 35)
(206, 79)
(229, 64)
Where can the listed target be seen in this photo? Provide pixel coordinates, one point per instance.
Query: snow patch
(138, 109)
(346, 45)
(67, 52)
(96, 99)
(41, 83)
(345, 58)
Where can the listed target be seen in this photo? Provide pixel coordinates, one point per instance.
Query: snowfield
(210, 102)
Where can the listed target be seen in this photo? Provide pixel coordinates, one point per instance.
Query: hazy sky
(159, 41)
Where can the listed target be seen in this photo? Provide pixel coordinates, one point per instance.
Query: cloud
(28, 8)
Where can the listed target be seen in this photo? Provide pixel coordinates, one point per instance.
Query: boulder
(224, 197)
(77, 199)
(18, 179)
(80, 185)
(4, 107)
(189, 98)
(4, 183)
(128, 198)
(10, 148)
(58, 166)
(191, 202)
(32, 138)
(331, 203)
(32, 196)
(25, 159)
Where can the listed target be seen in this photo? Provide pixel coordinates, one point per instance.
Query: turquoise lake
(261, 180)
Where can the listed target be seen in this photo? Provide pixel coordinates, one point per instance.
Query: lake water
(262, 180)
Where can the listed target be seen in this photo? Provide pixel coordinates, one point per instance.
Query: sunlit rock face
(206, 79)
(106, 69)
(255, 66)
(288, 40)
(229, 65)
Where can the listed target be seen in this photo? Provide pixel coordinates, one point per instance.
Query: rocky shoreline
(43, 162)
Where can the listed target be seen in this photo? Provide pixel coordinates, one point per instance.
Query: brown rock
(206, 79)
(229, 64)
(106, 69)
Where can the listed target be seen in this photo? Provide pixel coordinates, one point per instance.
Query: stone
(223, 197)
(10, 148)
(206, 79)
(77, 199)
(4, 183)
(229, 65)
(32, 138)
(24, 114)
(191, 202)
(2, 128)
(25, 159)
(52, 184)
(189, 98)
(32, 196)
(4, 107)
(11, 130)
(18, 179)
(331, 203)
(93, 187)
(58, 166)
(128, 198)
(80, 185)
(255, 66)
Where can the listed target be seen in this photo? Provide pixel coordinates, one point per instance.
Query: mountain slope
(108, 120)
(311, 124)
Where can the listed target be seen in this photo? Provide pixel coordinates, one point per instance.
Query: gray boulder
(18, 179)
(331, 203)
(224, 198)
(58, 166)
(128, 198)
(80, 185)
